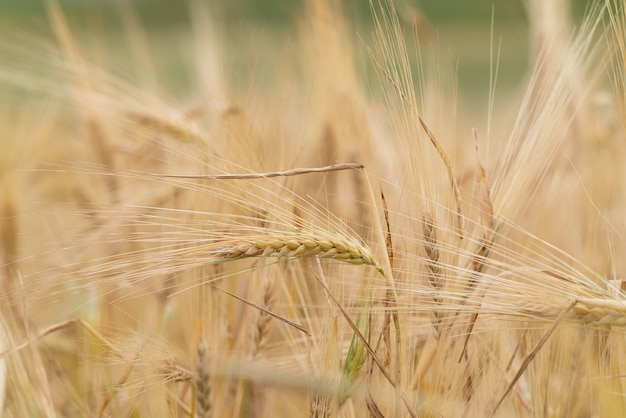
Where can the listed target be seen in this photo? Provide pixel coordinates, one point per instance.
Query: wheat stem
(251, 176)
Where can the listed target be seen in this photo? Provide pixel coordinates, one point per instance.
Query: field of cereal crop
(315, 208)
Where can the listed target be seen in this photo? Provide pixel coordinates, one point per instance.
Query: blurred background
(254, 32)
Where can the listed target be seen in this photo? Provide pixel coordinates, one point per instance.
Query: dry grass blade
(468, 334)
(533, 354)
(372, 407)
(175, 399)
(264, 310)
(252, 176)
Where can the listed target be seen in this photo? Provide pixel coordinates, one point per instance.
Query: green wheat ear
(352, 366)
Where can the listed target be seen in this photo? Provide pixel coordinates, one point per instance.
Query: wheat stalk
(251, 176)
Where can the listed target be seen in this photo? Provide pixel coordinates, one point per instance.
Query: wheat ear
(591, 311)
(258, 333)
(297, 245)
(434, 273)
(203, 384)
(485, 206)
(355, 359)
(436, 281)
(177, 129)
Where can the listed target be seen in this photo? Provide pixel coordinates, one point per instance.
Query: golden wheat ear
(294, 246)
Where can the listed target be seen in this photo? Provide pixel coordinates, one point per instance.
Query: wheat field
(334, 234)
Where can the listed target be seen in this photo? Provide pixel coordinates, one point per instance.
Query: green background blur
(252, 29)
(281, 11)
